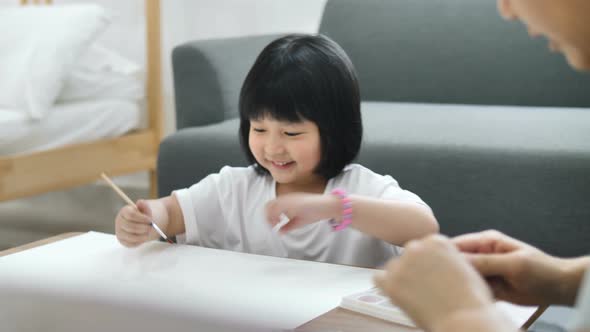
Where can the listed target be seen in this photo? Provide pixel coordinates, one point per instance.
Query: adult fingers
(490, 241)
(383, 278)
(500, 288)
(488, 265)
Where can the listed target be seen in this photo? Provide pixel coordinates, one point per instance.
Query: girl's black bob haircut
(306, 77)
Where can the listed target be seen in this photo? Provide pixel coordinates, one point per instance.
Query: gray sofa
(434, 76)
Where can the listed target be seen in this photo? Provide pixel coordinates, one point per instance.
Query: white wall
(184, 20)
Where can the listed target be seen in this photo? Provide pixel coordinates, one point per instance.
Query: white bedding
(67, 123)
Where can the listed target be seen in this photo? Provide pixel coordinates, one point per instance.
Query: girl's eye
(292, 134)
(258, 130)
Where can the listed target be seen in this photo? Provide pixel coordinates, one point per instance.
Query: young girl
(300, 128)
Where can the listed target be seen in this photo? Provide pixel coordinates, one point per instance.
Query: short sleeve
(201, 208)
(581, 321)
(361, 180)
(393, 191)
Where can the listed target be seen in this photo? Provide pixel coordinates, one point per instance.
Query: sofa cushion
(507, 129)
(192, 153)
(482, 167)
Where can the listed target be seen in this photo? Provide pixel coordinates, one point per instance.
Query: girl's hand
(303, 209)
(134, 227)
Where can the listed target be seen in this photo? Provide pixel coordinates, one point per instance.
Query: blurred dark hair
(309, 77)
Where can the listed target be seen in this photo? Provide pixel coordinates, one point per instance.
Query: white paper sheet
(161, 279)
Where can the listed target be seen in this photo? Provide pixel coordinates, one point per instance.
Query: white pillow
(98, 58)
(102, 73)
(40, 44)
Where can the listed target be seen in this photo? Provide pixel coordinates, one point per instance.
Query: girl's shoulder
(237, 171)
(236, 177)
(356, 170)
(359, 176)
(231, 182)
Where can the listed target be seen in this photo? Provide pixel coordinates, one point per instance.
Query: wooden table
(337, 319)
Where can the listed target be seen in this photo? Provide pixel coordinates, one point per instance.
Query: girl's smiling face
(290, 151)
(298, 98)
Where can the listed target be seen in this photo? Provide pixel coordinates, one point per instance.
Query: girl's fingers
(273, 212)
(144, 207)
(135, 228)
(273, 219)
(293, 223)
(127, 244)
(123, 242)
(131, 239)
(136, 216)
(132, 226)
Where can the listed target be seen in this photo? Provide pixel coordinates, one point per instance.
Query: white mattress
(67, 123)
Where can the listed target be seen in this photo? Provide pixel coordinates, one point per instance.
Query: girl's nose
(274, 147)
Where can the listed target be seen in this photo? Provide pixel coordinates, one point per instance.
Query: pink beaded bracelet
(346, 210)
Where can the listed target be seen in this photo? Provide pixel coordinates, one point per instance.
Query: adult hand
(432, 281)
(518, 272)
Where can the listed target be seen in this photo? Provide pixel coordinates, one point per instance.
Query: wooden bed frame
(68, 166)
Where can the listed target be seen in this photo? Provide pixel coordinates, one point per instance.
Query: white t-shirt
(581, 321)
(227, 211)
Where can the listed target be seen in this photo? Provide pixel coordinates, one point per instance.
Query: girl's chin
(281, 178)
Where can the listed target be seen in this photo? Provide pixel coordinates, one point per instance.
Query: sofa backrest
(449, 51)
(208, 76)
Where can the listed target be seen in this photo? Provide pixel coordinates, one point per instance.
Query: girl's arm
(396, 222)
